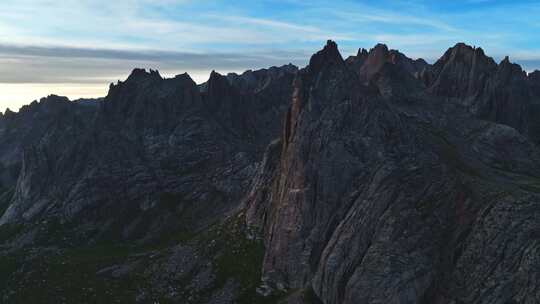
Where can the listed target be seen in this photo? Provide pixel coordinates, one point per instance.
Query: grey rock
(378, 200)
(375, 179)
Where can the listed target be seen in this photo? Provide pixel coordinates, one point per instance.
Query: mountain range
(371, 179)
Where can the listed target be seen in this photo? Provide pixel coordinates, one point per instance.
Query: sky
(76, 48)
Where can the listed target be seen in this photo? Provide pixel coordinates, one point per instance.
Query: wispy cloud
(65, 64)
(393, 18)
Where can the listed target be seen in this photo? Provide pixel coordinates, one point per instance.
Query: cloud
(20, 64)
(393, 18)
(135, 24)
(298, 31)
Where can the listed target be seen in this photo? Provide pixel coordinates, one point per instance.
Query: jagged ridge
(389, 182)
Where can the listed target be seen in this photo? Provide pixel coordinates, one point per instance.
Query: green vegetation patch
(238, 258)
(60, 269)
(68, 276)
(10, 231)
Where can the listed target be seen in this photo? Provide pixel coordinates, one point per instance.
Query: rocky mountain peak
(254, 81)
(328, 56)
(379, 49)
(356, 62)
(462, 72)
(368, 64)
(50, 104)
(46, 107)
(362, 53)
(140, 75)
(288, 68)
(462, 53)
(148, 101)
(462, 48)
(377, 56)
(52, 100)
(8, 113)
(183, 77)
(489, 90)
(215, 77)
(508, 71)
(218, 84)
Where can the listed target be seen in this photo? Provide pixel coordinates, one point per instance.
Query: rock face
(499, 93)
(368, 64)
(387, 200)
(375, 179)
(53, 116)
(157, 150)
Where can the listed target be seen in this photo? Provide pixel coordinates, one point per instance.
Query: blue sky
(77, 47)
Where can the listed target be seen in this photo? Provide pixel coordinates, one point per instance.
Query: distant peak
(291, 68)
(215, 74)
(54, 98)
(48, 103)
(217, 82)
(362, 52)
(480, 51)
(330, 49)
(468, 55)
(141, 74)
(216, 77)
(462, 45)
(184, 80)
(329, 55)
(331, 44)
(375, 59)
(183, 76)
(463, 48)
(380, 47)
(378, 54)
(508, 70)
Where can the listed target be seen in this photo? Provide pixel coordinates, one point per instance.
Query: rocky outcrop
(391, 72)
(253, 81)
(257, 201)
(254, 101)
(158, 154)
(496, 92)
(356, 62)
(369, 64)
(462, 72)
(32, 124)
(379, 201)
